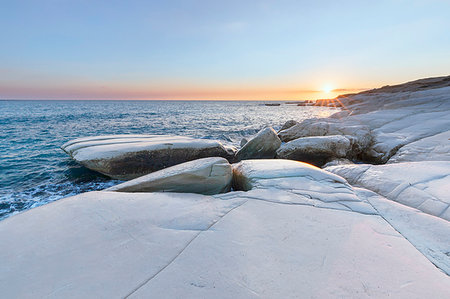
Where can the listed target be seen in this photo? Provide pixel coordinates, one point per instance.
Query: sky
(217, 50)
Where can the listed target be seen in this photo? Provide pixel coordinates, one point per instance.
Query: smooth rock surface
(297, 183)
(427, 233)
(316, 150)
(171, 245)
(433, 148)
(263, 145)
(204, 176)
(397, 119)
(286, 181)
(264, 250)
(421, 185)
(100, 244)
(126, 157)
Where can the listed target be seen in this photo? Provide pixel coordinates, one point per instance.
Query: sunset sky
(217, 50)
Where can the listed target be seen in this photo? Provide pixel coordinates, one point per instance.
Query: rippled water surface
(34, 170)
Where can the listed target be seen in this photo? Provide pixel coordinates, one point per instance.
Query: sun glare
(327, 89)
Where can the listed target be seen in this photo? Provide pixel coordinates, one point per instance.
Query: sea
(35, 171)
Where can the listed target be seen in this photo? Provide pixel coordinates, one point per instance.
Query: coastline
(392, 218)
(36, 171)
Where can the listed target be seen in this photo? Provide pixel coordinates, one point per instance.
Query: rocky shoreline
(255, 222)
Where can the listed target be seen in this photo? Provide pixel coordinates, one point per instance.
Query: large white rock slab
(429, 234)
(99, 244)
(433, 148)
(410, 126)
(287, 181)
(129, 156)
(251, 174)
(173, 245)
(204, 176)
(316, 150)
(266, 250)
(421, 185)
(262, 146)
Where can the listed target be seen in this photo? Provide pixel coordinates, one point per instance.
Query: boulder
(243, 142)
(325, 127)
(288, 124)
(204, 176)
(127, 157)
(316, 150)
(263, 145)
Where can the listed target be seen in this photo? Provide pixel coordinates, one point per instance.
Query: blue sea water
(34, 170)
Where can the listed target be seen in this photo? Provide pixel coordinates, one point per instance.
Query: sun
(327, 89)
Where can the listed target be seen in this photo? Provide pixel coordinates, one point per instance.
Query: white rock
(286, 181)
(401, 118)
(409, 128)
(316, 150)
(262, 145)
(421, 185)
(263, 250)
(380, 123)
(203, 176)
(129, 156)
(100, 244)
(250, 174)
(167, 245)
(429, 234)
(433, 148)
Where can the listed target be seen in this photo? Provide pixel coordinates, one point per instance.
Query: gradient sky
(254, 50)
